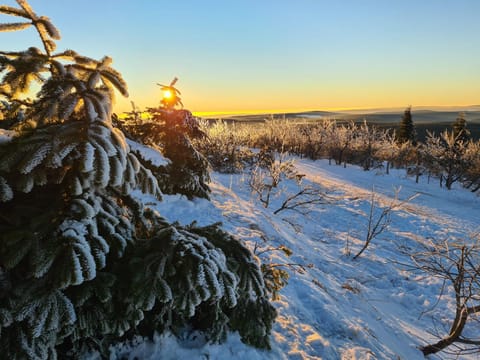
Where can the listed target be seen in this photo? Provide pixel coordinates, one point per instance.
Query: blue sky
(275, 55)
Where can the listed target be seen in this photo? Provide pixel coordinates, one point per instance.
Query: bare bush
(387, 150)
(303, 199)
(445, 155)
(340, 142)
(457, 264)
(367, 141)
(378, 222)
(268, 172)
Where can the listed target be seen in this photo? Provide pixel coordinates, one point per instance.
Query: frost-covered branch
(378, 223)
(305, 197)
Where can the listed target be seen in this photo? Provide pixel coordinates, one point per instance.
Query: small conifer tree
(406, 130)
(459, 128)
(188, 170)
(171, 130)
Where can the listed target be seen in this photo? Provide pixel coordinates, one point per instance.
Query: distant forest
(434, 121)
(436, 128)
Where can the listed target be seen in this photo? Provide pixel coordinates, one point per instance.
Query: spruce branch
(10, 10)
(14, 26)
(46, 30)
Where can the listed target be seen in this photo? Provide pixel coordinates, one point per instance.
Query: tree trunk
(455, 332)
(449, 181)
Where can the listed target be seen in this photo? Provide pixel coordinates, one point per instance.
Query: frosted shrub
(448, 157)
(472, 172)
(267, 173)
(445, 156)
(367, 141)
(226, 146)
(387, 149)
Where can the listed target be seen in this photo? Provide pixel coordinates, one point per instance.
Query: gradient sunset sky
(266, 55)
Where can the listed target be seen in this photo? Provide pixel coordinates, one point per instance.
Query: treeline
(451, 156)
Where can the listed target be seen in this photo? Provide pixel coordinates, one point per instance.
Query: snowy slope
(333, 307)
(6, 135)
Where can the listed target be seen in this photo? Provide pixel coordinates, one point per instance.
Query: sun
(167, 94)
(170, 95)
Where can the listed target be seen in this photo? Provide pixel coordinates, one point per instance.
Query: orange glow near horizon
(238, 99)
(364, 109)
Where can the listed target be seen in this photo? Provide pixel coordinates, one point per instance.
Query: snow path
(338, 179)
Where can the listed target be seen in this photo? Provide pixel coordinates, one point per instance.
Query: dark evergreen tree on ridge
(459, 128)
(406, 130)
(82, 263)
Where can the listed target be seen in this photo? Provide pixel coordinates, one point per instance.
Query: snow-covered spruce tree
(74, 245)
(214, 285)
(188, 171)
(64, 183)
(171, 131)
(10, 113)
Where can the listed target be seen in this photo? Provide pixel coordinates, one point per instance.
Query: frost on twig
(379, 222)
(303, 199)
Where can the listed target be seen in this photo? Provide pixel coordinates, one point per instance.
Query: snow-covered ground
(6, 135)
(333, 307)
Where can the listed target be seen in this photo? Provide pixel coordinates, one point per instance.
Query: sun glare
(167, 94)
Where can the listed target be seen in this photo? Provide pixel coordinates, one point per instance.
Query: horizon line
(228, 113)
